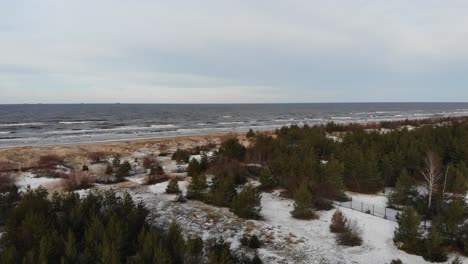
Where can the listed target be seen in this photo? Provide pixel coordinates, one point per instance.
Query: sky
(148, 51)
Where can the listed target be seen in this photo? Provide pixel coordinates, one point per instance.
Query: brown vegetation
(78, 180)
(155, 178)
(6, 181)
(49, 161)
(97, 157)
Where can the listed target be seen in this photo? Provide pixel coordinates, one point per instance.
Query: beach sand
(24, 157)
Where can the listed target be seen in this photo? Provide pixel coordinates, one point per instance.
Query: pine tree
(173, 186)
(405, 193)
(194, 250)
(176, 243)
(338, 222)
(70, 251)
(408, 232)
(267, 180)
(156, 170)
(332, 172)
(196, 189)
(123, 171)
(116, 161)
(193, 168)
(303, 203)
(247, 204)
(250, 134)
(434, 251)
(223, 191)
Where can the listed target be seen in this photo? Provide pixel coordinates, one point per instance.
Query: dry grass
(78, 180)
(49, 161)
(7, 166)
(155, 178)
(6, 181)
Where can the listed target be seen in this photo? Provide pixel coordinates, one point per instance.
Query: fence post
(373, 210)
(385, 216)
(362, 210)
(351, 203)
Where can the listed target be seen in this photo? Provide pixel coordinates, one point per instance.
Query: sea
(57, 124)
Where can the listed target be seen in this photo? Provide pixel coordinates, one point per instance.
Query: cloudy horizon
(233, 51)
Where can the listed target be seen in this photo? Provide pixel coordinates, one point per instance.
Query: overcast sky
(150, 51)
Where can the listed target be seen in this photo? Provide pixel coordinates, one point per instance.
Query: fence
(379, 211)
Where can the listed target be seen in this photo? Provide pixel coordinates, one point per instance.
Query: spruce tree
(247, 204)
(303, 203)
(173, 186)
(408, 232)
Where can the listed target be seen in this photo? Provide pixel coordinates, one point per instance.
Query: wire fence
(378, 211)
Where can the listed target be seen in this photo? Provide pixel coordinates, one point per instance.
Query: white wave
(74, 122)
(230, 123)
(23, 124)
(163, 126)
(227, 116)
(201, 124)
(284, 120)
(4, 132)
(123, 128)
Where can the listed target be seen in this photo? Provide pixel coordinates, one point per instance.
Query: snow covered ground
(285, 239)
(29, 179)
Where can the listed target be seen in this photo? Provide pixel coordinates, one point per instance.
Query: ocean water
(41, 124)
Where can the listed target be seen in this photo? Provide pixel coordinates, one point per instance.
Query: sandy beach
(21, 157)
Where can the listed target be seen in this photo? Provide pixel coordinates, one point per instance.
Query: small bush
(250, 134)
(162, 154)
(155, 178)
(85, 168)
(244, 241)
(254, 242)
(396, 261)
(49, 161)
(123, 171)
(149, 162)
(6, 181)
(78, 180)
(97, 157)
(351, 237)
(181, 156)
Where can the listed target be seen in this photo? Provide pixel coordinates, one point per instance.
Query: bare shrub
(78, 180)
(6, 181)
(149, 161)
(155, 178)
(48, 173)
(97, 157)
(351, 237)
(49, 161)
